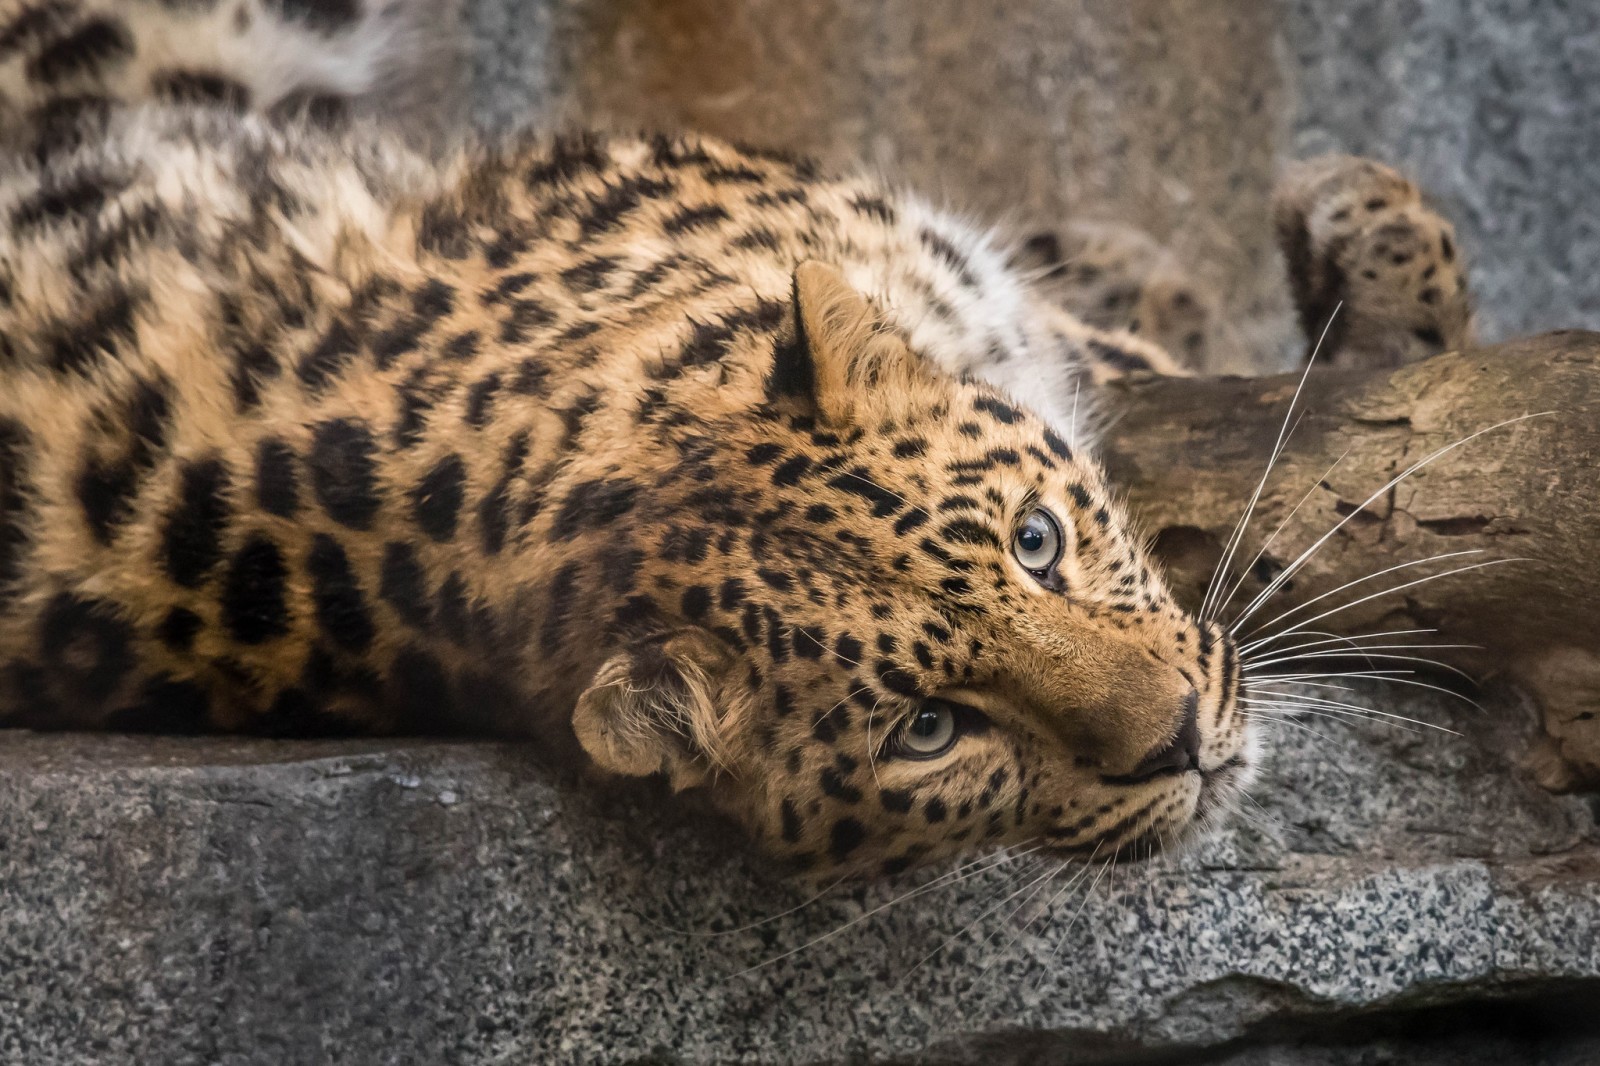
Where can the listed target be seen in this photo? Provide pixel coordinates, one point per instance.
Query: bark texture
(1523, 498)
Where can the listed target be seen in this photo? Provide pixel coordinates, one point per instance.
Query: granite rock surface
(210, 901)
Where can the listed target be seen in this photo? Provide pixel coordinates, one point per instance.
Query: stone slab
(210, 901)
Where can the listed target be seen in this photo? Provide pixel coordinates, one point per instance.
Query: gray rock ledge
(215, 901)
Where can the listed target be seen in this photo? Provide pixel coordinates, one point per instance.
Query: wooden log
(1522, 499)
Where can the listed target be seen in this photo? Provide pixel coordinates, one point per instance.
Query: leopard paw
(1370, 263)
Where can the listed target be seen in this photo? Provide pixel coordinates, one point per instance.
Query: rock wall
(1493, 105)
(1161, 114)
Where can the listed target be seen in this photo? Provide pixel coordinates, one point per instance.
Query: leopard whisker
(1293, 568)
(1038, 884)
(873, 484)
(1353, 645)
(1268, 820)
(1411, 584)
(872, 763)
(1291, 612)
(1072, 433)
(1341, 717)
(1339, 706)
(847, 698)
(1244, 571)
(790, 630)
(1284, 432)
(1082, 906)
(1322, 679)
(1237, 537)
(816, 897)
(1389, 656)
(1269, 682)
(944, 880)
(1305, 664)
(1306, 684)
(1399, 678)
(1310, 678)
(947, 941)
(1271, 721)
(1150, 886)
(1336, 638)
(1075, 880)
(1313, 703)
(1292, 655)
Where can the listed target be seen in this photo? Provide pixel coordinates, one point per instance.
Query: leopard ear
(837, 350)
(656, 708)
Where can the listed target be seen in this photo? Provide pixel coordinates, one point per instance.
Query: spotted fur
(675, 457)
(1115, 277)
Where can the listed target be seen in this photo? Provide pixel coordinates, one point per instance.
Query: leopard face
(938, 634)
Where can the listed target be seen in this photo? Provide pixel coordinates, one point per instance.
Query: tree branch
(1523, 498)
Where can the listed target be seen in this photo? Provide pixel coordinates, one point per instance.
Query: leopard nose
(1179, 755)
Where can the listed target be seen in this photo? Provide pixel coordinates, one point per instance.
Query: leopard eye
(1037, 544)
(929, 732)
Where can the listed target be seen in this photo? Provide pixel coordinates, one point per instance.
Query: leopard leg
(1106, 302)
(1119, 279)
(1370, 263)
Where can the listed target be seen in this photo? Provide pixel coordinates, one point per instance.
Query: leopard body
(675, 457)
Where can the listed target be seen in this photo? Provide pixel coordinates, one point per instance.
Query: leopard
(673, 459)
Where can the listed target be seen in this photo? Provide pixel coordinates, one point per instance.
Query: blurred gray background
(1172, 115)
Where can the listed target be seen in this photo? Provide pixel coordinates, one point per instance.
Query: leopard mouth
(1211, 778)
(1220, 788)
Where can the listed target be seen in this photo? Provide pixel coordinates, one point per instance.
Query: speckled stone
(216, 902)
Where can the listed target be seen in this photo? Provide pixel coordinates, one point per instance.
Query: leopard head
(915, 623)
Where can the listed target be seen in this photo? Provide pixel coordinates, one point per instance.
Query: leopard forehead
(915, 513)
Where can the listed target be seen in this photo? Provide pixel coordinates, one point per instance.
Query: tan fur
(662, 713)
(669, 456)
